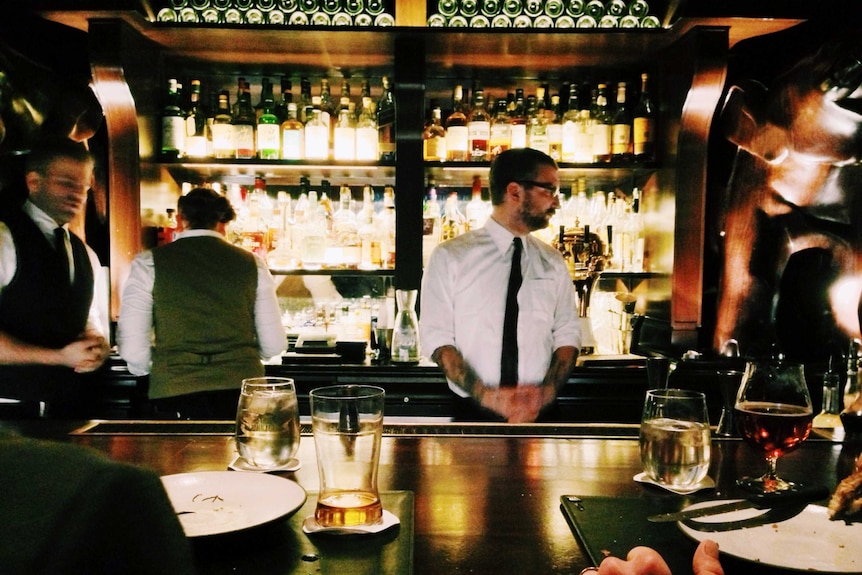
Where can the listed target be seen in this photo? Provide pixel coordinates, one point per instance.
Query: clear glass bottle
(829, 417)
(434, 137)
(537, 127)
(405, 334)
(224, 145)
(478, 128)
(501, 130)
(555, 129)
(367, 141)
(601, 126)
(316, 137)
(571, 120)
(476, 211)
(292, 135)
(197, 142)
(454, 223)
(518, 115)
(344, 138)
(457, 149)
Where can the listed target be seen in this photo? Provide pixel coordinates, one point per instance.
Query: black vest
(39, 306)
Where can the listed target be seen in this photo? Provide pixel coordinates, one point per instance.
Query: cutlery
(754, 501)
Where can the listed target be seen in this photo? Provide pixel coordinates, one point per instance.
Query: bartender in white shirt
(50, 325)
(464, 299)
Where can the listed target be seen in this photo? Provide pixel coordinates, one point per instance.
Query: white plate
(216, 502)
(241, 464)
(706, 483)
(807, 542)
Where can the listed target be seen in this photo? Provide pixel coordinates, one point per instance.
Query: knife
(756, 501)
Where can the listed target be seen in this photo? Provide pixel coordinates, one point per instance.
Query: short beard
(535, 221)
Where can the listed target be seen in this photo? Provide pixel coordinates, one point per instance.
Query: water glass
(347, 422)
(267, 422)
(675, 437)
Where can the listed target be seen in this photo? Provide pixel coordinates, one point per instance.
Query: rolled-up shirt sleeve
(271, 338)
(135, 324)
(437, 307)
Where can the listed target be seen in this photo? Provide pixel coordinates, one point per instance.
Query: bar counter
(487, 496)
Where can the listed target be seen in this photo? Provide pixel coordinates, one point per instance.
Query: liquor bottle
(537, 128)
(518, 114)
(434, 137)
(431, 221)
(173, 124)
(478, 128)
(447, 8)
(595, 9)
(454, 223)
(313, 247)
(344, 138)
(353, 7)
(304, 99)
(370, 256)
(367, 136)
(602, 127)
(375, 7)
(501, 130)
(617, 8)
(575, 8)
(316, 135)
(571, 120)
(831, 405)
(851, 385)
(491, 8)
(167, 232)
(330, 6)
(309, 7)
(292, 135)
(512, 8)
(469, 8)
(457, 139)
(476, 211)
(327, 110)
(344, 228)
(386, 122)
(532, 8)
(286, 98)
(643, 124)
(224, 145)
(243, 120)
(268, 126)
(621, 130)
(197, 143)
(555, 129)
(386, 222)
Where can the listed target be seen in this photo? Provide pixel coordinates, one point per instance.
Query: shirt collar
(199, 233)
(43, 221)
(502, 237)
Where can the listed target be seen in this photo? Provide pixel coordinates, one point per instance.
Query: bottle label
(621, 137)
(366, 144)
(244, 139)
(457, 143)
(601, 140)
(173, 134)
(268, 141)
(435, 149)
(291, 144)
(519, 135)
(643, 134)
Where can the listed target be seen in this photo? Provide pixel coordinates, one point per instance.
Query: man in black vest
(50, 331)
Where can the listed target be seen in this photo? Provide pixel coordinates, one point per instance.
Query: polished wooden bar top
(487, 497)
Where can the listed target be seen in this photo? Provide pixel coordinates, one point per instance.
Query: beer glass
(347, 423)
(267, 422)
(675, 438)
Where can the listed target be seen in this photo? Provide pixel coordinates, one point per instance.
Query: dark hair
(204, 208)
(515, 165)
(47, 150)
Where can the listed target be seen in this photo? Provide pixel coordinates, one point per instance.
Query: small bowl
(852, 421)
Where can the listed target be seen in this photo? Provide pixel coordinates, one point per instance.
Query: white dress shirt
(9, 263)
(135, 327)
(464, 299)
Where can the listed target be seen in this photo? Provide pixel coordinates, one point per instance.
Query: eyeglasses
(546, 186)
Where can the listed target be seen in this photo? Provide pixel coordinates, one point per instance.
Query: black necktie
(60, 246)
(509, 359)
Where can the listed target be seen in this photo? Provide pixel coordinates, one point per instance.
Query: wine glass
(773, 414)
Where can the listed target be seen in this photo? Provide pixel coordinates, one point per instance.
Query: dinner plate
(808, 541)
(217, 502)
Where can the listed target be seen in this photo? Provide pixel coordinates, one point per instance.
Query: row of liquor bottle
(543, 14)
(311, 229)
(543, 22)
(614, 218)
(315, 128)
(589, 127)
(285, 12)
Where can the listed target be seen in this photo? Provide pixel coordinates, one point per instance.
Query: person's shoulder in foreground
(69, 510)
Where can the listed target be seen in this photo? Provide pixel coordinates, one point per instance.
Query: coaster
(311, 526)
(240, 464)
(706, 483)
